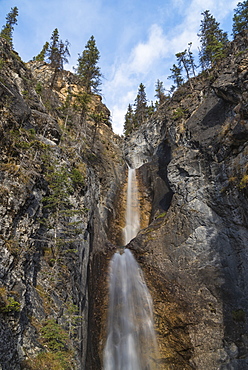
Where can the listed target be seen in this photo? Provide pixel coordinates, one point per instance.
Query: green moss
(25, 93)
(11, 305)
(161, 215)
(32, 132)
(7, 303)
(150, 238)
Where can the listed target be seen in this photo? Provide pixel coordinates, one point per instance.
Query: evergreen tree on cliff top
(176, 75)
(213, 41)
(129, 120)
(7, 30)
(58, 51)
(160, 91)
(41, 56)
(140, 103)
(240, 18)
(87, 68)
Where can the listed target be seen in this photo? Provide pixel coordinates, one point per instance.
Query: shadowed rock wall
(194, 252)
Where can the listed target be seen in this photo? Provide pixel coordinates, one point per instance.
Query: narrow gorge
(64, 183)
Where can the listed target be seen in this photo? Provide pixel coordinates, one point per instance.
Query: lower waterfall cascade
(131, 341)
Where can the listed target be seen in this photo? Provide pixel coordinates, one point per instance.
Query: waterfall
(132, 218)
(131, 342)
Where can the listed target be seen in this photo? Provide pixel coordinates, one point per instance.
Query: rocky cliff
(62, 194)
(61, 168)
(194, 252)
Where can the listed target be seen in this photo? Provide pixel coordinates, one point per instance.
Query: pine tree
(56, 54)
(240, 18)
(129, 121)
(151, 109)
(140, 104)
(7, 30)
(191, 59)
(41, 56)
(159, 90)
(213, 41)
(183, 60)
(58, 51)
(186, 60)
(176, 75)
(87, 68)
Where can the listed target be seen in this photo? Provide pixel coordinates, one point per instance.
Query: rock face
(60, 174)
(194, 252)
(62, 193)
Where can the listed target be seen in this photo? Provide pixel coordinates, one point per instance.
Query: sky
(137, 39)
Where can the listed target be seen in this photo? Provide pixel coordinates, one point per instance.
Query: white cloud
(145, 54)
(120, 109)
(129, 74)
(119, 114)
(219, 8)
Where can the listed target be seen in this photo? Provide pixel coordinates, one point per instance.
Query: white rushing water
(131, 341)
(132, 218)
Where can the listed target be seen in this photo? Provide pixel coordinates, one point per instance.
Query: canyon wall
(62, 188)
(194, 252)
(61, 168)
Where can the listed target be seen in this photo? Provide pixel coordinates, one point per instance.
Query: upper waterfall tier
(132, 217)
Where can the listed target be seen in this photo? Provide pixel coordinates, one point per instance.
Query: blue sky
(137, 39)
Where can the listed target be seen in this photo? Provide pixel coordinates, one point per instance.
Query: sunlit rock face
(60, 176)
